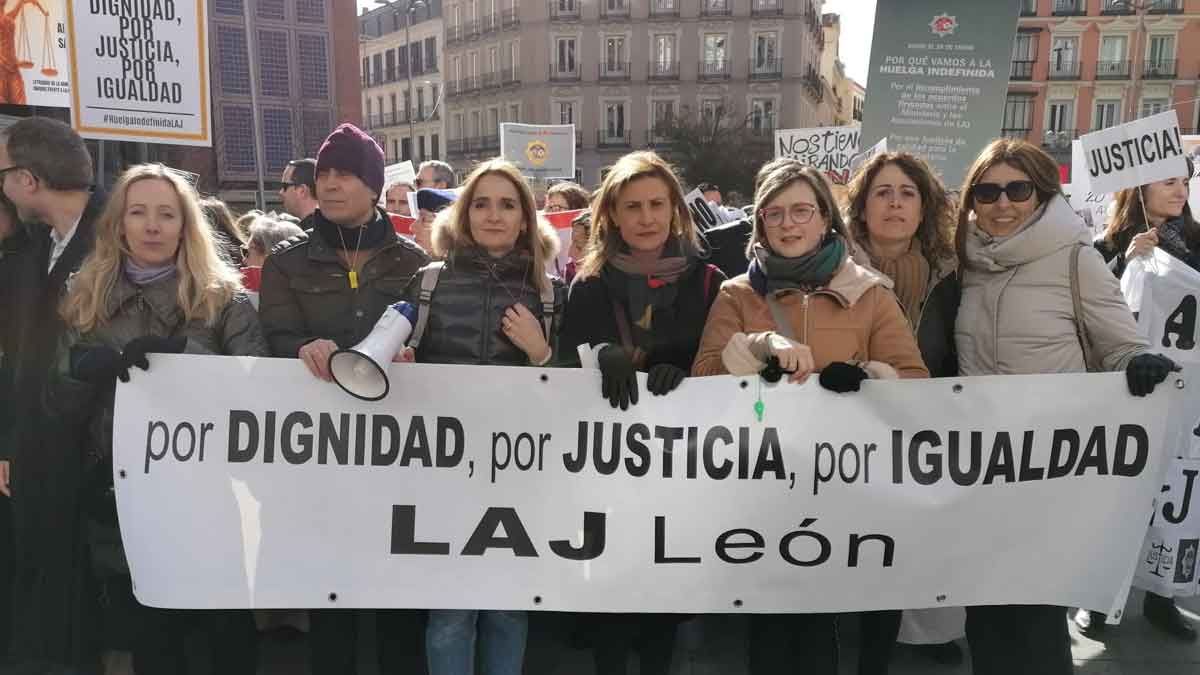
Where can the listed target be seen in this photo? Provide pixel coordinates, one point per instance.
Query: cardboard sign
(540, 150)
(828, 149)
(1143, 151)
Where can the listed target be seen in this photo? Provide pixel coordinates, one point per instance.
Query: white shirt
(60, 245)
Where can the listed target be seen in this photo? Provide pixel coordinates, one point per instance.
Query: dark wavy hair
(936, 230)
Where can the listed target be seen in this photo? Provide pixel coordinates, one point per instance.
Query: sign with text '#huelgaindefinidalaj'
(460, 491)
(139, 70)
(1135, 153)
(540, 150)
(938, 79)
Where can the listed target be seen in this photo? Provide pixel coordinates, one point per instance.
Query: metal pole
(260, 198)
(412, 141)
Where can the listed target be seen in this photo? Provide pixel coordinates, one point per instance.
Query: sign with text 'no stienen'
(521, 488)
(139, 70)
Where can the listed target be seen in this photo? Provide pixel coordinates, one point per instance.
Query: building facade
(408, 123)
(1081, 65)
(622, 72)
(845, 94)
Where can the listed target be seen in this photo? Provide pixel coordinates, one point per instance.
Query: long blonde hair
(206, 282)
(605, 239)
(452, 227)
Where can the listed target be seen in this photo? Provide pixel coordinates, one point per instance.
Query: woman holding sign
(488, 301)
(804, 307)
(1036, 298)
(155, 283)
(902, 224)
(1150, 216)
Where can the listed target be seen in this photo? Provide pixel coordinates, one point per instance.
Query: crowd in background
(892, 279)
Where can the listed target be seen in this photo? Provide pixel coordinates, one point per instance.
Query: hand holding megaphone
(362, 370)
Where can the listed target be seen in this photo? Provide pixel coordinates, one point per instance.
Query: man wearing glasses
(435, 174)
(298, 189)
(46, 172)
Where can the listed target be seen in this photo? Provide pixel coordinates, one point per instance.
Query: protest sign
(939, 79)
(827, 149)
(34, 34)
(1191, 147)
(140, 71)
(868, 154)
(708, 215)
(540, 150)
(561, 221)
(400, 171)
(1135, 153)
(1092, 206)
(522, 488)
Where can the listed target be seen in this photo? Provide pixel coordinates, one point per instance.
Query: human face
(288, 192)
(152, 222)
(1002, 217)
(426, 179)
(1165, 199)
(397, 200)
(18, 186)
(579, 239)
(893, 208)
(495, 215)
(713, 196)
(556, 202)
(643, 214)
(787, 237)
(344, 198)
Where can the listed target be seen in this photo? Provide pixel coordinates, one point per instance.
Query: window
(513, 55)
(1153, 106)
(434, 151)
(431, 54)
(270, 9)
(316, 125)
(437, 99)
(1062, 116)
(407, 105)
(614, 54)
(664, 48)
(664, 116)
(493, 59)
(1161, 50)
(421, 148)
(405, 149)
(493, 127)
(273, 62)
(766, 51)
(711, 109)
(1107, 114)
(1062, 56)
(457, 68)
(714, 49)
(615, 5)
(414, 58)
(614, 121)
(237, 123)
(566, 112)
(1112, 57)
(566, 55)
(401, 62)
(230, 7)
(420, 104)
(396, 151)
(762, 114)
(314, 66)
(277, 138)
(514, 112)
(234, 67)
(1016, 113)
(459, 125)
(1023, 47)
(394, 111)
(310, 11)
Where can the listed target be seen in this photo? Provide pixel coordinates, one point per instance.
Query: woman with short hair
(566, 196)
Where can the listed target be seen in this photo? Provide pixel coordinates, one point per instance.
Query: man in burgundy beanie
(323, 290)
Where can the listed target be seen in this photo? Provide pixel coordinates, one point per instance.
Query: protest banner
(1135, 153)
(523, 489)
(868, 154)
(539, 150)
(561, 221)
(1092, 206)
(708, 215)
(938, 80)
(1191, 147)
(140, 71)
(35, 35)
(828, 149)
(400, 171)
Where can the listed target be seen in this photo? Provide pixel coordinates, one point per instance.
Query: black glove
(773, 372)
(97, 365)
(842, 377)
(1146, 370)
(137, 349)
(664, 378)
(618, 378)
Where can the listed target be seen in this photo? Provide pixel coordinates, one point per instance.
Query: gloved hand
(97, 365)
(618, 378)
(842, 377)
(137, 349)
(1147, 370)
(664, 378)
(772, 372)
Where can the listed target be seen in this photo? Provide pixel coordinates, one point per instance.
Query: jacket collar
(160, 296)
(849, 283)
(1054, 226)
(320, 251)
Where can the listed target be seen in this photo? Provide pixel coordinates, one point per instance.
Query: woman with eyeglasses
(805, 303)
(1017, 242)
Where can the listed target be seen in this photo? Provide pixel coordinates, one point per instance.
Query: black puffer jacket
(1114, 252)
(473, 292)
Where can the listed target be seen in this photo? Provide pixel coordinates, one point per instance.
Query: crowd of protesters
(894, 280)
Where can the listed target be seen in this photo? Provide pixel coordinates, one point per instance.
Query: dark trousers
(650, 636)
(1026, 639)
(400, 635)
(158, 641)
(6, 575)
(879, 631)
(793, 643)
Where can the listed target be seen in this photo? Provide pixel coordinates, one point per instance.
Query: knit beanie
(349, 149)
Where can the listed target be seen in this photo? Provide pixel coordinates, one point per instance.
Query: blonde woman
(489, 302)
(155, 283)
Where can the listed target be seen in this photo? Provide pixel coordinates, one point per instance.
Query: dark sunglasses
(988, 193)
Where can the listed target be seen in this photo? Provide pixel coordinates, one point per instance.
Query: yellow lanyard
(353, 276)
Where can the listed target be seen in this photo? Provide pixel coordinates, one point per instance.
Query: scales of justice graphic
(16, 50)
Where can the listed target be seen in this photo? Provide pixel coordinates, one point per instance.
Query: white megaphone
(362, 370)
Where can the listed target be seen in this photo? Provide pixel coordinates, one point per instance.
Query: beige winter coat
(1017, 314)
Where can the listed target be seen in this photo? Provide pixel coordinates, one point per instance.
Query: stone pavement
(716, 645)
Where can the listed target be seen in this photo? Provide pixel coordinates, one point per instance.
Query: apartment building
(621, 71)
(401, 43)
(1080, 65)
(845, 99)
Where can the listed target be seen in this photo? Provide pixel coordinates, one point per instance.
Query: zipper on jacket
(488, 308)
(804, 324)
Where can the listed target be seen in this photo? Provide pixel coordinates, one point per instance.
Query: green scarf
(770, 272)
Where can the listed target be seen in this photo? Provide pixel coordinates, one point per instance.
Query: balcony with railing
(660, 136)
(1059, 139)
(1028, 8)
(766, 69)
(489, 24)
(1064, 70)
(611, 71)
(454, 35)
(664, 9)
(708, 71)
(471, 30)
(510, 19)
(564, 10)
(1015, 132)
(766, 7)
(1021, 70)
(374, 120)
(1112, 70)
(468, 85)
(489, 144)
(610, 138)
(1069, 8)
(1159, 69)
(1164, 7)
(716, 7)
(561, 72)
(762, 132)
(508, 77)
(1117, 7)
(614, 9)
(450, 89)
(489, 81)
(662, 70)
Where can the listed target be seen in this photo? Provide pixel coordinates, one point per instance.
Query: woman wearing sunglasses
(1016, 240)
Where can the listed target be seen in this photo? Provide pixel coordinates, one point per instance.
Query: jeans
(450, 641)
